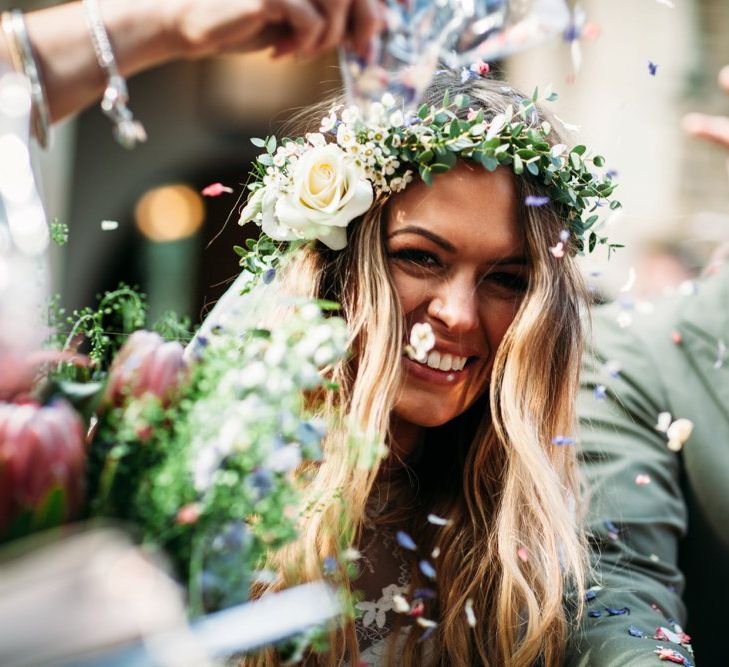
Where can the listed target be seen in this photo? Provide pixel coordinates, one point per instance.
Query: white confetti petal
(109, 225)
(630, 283)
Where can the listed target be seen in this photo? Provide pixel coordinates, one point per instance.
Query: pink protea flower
(41, 450)
(145, 365)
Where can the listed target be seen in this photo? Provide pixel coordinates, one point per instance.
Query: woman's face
(457, 259)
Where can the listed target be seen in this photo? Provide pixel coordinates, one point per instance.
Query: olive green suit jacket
(660, 541)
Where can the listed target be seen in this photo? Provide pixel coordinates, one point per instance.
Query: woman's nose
(456, 306)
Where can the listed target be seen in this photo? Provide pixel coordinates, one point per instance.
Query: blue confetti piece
(425, 594)
(427, 569)
(405, 541)
(610, 526)
(330, 565)
(590, 596)
(594, 613)
(600, 392)
(563, 440)
(536, 201)
(268, 276)
(613, 611)
(652, 68)
(426, 634)
(635, 631)
(564, 235)
(611, 173)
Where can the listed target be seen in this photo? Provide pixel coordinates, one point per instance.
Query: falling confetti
(630, 283)
(600, 392)
(215, 190)
(678, 433)
(437, 520)
(523, 554)
(405, 541)
(400, 604)
(422, 340)
(470, 616)
(427, 569)
(663, 422)
(612, 368)
(642, 480)
(557, 250)
(622, 611)
(676, 337)
(721, 355)
(624, 319)
(563, 440)
(652, 68)
(536, 201)
(435, 553)
(635, 631)
(568, 126)
(109, 225)
(669, 655)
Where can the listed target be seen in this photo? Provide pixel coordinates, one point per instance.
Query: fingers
(307, 25)
(337, 14)
(712, 128)
(366, 20)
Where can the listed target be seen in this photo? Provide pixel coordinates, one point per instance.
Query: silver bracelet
(127, 131)
(24, 62)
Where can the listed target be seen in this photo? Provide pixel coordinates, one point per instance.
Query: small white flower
(422, 340)
(328, 123)
(350, 115)
(345, 136)
(316, 138)
(397, 118)
(253, 208)
(279, 160)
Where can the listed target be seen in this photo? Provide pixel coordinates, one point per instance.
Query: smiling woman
(466, 521)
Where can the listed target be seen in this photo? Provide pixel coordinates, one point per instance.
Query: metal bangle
(127, 131)
(24, 62)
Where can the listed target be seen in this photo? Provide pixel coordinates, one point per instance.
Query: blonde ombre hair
(501, 482)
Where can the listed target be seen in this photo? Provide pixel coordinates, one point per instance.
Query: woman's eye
(515, 282)
(421, 258)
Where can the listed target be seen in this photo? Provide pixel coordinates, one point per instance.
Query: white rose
(328, 191)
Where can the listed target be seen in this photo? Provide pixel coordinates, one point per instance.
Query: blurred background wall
(200, 117)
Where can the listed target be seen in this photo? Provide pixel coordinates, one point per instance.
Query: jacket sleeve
(636, 513)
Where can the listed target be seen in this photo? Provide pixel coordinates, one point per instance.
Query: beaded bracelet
(24, 62)
(127, 131)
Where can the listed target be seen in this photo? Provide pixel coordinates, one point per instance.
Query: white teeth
(445, 361)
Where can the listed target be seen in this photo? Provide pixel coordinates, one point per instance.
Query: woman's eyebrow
(431, 236)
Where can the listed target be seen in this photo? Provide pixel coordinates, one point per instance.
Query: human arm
(635, 523)
(147, 33)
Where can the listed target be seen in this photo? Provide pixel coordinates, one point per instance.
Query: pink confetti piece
(215, 190)
(642, 480)
(523, 554)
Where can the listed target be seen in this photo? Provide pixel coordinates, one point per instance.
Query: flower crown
(314, 186)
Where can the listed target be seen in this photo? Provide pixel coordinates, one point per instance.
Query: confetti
(425, 593)
(652, 68)
(330, 565)
(612, 530)
(612, 173)
(669, 655)
(568, 126)
(426, 623)
(613, 611)
(564, 235)
(470, 616)
(721, 355)
(600, 392)
(480, 67)
(268, 276)
(688, 288)
(590, 595)
(437, 520)
(635, 631)
(418, 609)
(663, 422)
(563, 440)
(536, 201)
(678, 433)
(642, 479)
(405, 541)
(427, 569)
(630, 283)
(612, 368)
(422, 340)
(215, 190)
(624, 319)
(435, 553)
(400, 604)
(663, 634)
(594, 613)
(109, 225)
(523, 554)
(676, 337)
(557, 250)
